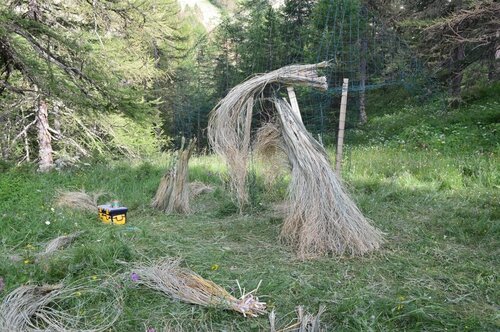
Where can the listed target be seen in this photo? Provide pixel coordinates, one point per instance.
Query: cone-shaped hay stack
(321, 217)
(172, 194)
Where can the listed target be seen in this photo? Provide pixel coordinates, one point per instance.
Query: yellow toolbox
(112, 215)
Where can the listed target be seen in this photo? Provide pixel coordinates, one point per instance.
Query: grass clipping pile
(76, 307)
(182, 284)
(321, 218)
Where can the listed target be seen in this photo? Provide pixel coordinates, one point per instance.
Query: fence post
(340, 140)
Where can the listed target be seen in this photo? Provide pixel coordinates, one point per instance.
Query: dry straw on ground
(78, 200)
(229, 126)
(197, 188)
(172, 194)
(305, 322)
(321, 217)
(58, 243)
(57, 308)
(182, 284)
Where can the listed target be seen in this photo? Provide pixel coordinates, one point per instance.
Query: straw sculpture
(197, 188)
(58, 243)
(268, 147)
(172, 195)
(185, 285)
(57, 308)
(78, 200)
(320, 217)
(229, 125)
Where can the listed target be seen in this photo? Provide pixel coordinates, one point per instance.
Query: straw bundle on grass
(305, 321)
(78, 307)
(182, 284)
(197, 188)
(230, 120)
(59, 242)
(172, 194)
(321, 218)
(78, 200)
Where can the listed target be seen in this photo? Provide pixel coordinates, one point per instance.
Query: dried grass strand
(185, 285)
(197, 188)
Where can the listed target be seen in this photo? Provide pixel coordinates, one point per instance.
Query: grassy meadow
(432, 186)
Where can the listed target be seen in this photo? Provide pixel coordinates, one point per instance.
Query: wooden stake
(293, 102)
(340, 141)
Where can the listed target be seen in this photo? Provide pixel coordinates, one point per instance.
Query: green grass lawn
(437, 271)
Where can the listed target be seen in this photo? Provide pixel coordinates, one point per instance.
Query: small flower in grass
(134, 277)
(77, 294)
(29, 246)
(94, 278)
(151, 329)
(47, 222)
(27, 261)
(215, 267)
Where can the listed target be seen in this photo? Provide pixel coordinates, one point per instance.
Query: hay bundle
(58, 243)
(182, 284)
(172, 194)
(197, 188)
(230, 120)
(321, 217)
(78, 200)
(78, 307)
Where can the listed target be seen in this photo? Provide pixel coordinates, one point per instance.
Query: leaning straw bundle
(321, 218)
(58, 243)
(78, 200)
(182, 284)
(230, 120)
(78, 307)
(172, 194)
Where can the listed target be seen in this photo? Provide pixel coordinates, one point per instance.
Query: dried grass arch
(321, 217)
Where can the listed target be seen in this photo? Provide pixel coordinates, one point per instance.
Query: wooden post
(293, 102)
(340, 141)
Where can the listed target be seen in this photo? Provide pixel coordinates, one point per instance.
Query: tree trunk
(457, 74)
(45, 162)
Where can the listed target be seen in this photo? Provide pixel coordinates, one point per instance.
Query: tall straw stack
(229, 126)
(172, 194)
(321, 217)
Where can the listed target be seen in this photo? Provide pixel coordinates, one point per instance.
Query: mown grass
(438, 270)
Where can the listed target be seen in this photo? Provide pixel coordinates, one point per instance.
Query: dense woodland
(81, 79)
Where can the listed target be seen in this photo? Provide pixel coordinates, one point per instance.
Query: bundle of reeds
(76, 307)
(230, 121)
(321, 217)
(57, 244)
(172, 194)
(185, 285)
(78, 200)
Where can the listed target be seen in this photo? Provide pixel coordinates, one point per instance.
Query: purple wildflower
(151, 329)
(134, 277)
(2, 284)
